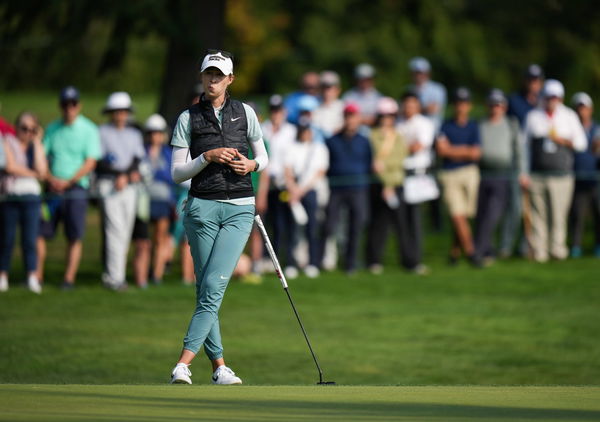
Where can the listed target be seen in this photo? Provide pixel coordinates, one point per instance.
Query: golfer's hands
(220, 155)
(241, 165)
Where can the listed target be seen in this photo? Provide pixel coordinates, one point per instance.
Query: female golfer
(210, 147)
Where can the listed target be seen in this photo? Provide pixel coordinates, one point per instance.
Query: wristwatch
(256, 166)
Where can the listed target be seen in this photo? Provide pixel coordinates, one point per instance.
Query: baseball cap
(307, 103)
(364, 71)
(534, 71)
(462, 94)
(419, 64)
(118, 101)
(275, 102)
(496, 96)
(387, 105)
(155, 123)
(329, 78)
(69, 93)
(581, 98)
(220, 59)
(553, 88)
(351, 108)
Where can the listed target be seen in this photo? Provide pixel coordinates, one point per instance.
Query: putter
(283, 281)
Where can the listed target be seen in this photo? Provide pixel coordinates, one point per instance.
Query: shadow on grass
(153, 408)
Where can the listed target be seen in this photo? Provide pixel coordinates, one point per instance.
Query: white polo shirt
(417, 129)
(564, 122)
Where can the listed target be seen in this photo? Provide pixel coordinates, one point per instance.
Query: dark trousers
(406, 223)
(309, 202)
(23, 211)
(355, 200)
(492, 202)
(280, 218)
(585, 197)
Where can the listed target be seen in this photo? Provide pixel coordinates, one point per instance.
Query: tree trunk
(200, 26)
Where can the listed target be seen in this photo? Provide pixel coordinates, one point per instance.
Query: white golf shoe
(225, 376)
(181, 374)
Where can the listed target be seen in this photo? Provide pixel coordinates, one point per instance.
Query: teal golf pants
(217, 233)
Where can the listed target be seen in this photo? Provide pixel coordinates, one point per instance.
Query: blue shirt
(291, 105)
(586, 162)
(518, 107)
(432, 93)
(467, 135)
(349, 161)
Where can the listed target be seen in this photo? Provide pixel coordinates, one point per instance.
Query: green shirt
(69, 146)
(392, 156)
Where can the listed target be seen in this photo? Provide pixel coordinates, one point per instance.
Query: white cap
(118, 101)
(553, 88)
(387, 105)
(218, 60)
(581, 98)
(419, 64)
(329, 78)
(155, 123)
(364, 71)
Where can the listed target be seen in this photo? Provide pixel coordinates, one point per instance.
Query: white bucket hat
(155, 123)
(118, 101)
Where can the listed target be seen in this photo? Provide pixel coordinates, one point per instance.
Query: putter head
(326, 383)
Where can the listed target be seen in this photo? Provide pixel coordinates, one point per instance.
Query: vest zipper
(224, 145)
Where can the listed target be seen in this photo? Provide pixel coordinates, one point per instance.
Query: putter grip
(278, 270)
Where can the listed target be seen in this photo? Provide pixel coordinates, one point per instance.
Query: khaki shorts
(460, 190)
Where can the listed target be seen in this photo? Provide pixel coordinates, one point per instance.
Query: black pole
(305, 336)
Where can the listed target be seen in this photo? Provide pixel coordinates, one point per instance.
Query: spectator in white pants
(552, 133)
(122, 151)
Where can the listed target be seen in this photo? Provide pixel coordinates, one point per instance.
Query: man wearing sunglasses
(72, 145)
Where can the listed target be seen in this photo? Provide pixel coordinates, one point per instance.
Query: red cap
(351, 108)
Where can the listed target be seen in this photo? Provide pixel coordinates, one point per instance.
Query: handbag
(420, 188)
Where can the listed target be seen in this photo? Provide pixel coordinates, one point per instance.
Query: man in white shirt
(432, 94)
(280, 135)
(329, 116)
(418, 133)
(552, 134)
(364, 94)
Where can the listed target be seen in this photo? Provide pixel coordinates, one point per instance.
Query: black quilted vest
(219, 181)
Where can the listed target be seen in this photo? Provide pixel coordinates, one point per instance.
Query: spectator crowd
(522, 179)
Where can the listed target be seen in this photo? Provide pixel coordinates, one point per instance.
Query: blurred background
(151, 47)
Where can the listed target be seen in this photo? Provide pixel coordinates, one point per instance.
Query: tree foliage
(110, 44)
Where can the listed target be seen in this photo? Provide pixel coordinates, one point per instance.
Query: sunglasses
(70, 103)
(28, 129)
(222, 52)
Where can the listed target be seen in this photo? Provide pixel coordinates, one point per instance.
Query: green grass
(160, 403)
(513, 324)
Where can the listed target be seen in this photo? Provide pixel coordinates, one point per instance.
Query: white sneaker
(181, 374)
(311, 271)
(3, 284)
(225, 376)
(291, 272)
(34, 285)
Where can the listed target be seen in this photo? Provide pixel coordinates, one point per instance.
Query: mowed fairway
(182, 403)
